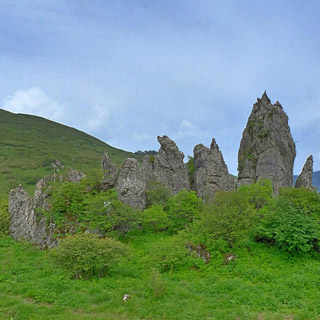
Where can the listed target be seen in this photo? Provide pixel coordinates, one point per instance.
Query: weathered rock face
(168, 166)
(131, 184)
(210, 171)
(74, 176)
(110, 173)
(267, 149)
(305, 177)
(57, 165)
(26, 218)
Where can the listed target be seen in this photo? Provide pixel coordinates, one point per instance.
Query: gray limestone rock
(210, 171)
(26, 216)
(57, 165)
(110, 172)
(305, 177)
(74, 176)
(168, 167)
(267, 149)
(131, 184)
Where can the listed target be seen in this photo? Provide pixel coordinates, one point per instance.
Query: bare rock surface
(110, 172)
(168, 167)
(74, 176)
(210, 171)
(26, 215)
(131, 184)
(267, 149)
(305, 177)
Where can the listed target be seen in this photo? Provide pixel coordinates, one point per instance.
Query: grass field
(29, 145)
(263, 283)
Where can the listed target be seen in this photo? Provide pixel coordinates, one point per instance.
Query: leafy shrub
(170, 254)
(230, 217)
(259, 193)
(157, 193)
(87, 255)
(104, 212)
(291, 228)
(4, 217)
(154, 219)
(182, 209)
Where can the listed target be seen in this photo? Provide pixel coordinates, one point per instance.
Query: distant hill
(29, 145)
(315, 180)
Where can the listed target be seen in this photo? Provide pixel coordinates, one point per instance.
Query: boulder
(131, 184)
(267, 149)
(74, 176)
(305, 177)
(210, 171)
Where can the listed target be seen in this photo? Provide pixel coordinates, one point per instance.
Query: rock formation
(131, 184)
(74, 175)
(305, 177)
(210, 171)
(26, 215)
(168, 167)
(267, 149)
(110, 173)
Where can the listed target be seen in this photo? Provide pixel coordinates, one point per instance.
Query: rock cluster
(110, 173)
(305, 177)
(210, 171)
(267, 149)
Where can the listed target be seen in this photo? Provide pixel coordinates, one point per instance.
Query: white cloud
(137, 136)
(188, 130)
(33, 101)
(98, 118)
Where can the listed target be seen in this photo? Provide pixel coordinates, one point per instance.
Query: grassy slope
(263, 283)
(29, 144)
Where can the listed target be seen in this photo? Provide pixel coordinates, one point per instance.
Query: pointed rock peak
(264, 99)
(165, 140)
(214, 145)
(305, 177)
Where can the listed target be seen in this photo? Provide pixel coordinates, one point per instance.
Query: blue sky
(127, 71)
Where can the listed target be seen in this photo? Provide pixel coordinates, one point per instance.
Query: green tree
(155, 219)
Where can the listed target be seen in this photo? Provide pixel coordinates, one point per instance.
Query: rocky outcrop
(210, 171)
(110, 173)
(26, 215)
(131, 184)
(267, 149)
(57, 165)
(305, 177)
(167, 166)
(74, 176)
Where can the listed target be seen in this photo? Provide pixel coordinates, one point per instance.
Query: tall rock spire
(267, 149)
(305, 177)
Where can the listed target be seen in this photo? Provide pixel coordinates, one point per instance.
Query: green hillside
(29, 145)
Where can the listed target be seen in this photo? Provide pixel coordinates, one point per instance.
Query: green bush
(158, 286)
(155, 219)
(104, 213)
(4, 217)
(182, 209)
(87, 255)
(170, 254)
(291, 228)
(157, 193)
(230, 217)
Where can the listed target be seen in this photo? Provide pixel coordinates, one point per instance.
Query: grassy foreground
(263, 283)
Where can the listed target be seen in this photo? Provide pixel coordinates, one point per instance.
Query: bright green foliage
(158, 285)
(66, 206)
(305, 199)
(170, 254)
(259, 193)
(87, 255)
(155, 219)
(291, 228)
(4, 217)
(157, 193)
(182, 209)
(104, 213)
(230, 217)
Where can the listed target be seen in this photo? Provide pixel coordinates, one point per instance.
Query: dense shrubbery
(87, 255)
(157, 193)
(155, 219)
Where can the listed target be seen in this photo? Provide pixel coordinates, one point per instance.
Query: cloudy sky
(127, 71)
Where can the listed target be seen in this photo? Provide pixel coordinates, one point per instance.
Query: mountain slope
(29, 145)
